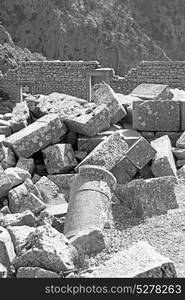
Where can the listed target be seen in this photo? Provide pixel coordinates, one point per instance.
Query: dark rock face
(80, 30)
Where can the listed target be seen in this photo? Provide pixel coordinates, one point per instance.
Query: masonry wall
(45, 77)
(72, 78)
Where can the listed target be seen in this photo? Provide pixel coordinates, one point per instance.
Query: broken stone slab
(40, 134)
(107, 153)
(156, 115)
(26, 218)
(49, 190)
(140, 153)
(17, 176)
(181, 172)
(181, 141)
(93, 187)
(48, 249)
(31, 272)
(173, 136)
(150, 197)
(7, 157)
(163, 163)
(63, 181)
(152, 91)
(102, 93)
(62, 104)
(5, 130)
(5, 183)
(90, 121)
(25, 196)
(3, 271)
(179, 153)
(19, 235)
(7, 253)
(87, 144)
(138, 261)
(20, 117)
(26, 164)
(57, 210)
(59, 158)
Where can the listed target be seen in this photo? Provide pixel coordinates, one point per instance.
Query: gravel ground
(166, 233)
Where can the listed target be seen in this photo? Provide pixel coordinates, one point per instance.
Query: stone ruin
(63, 158)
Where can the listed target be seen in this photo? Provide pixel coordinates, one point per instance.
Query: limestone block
(57, 210)
(107, 153)
(140, 153)
(8, 158)
(89, 122)
(87, 144)
(180, 163)
(173, 136)
(181, 172)
(19, 235)
(30, 272)
(47, 248)
(130, 136)
(25, 196)
(17, 175)
(124, 170)
(59, 158)
(156, 115)
(63, 181)
(102, 93)
(5, 183)
(149, 197)
(139, 261)
(26, 218)
(181, 141)
(20, 116)
(7, 253)
(152, 91)
(45, 131)
(26, 164)
(48, 189)
(179, 153)
(163, 163)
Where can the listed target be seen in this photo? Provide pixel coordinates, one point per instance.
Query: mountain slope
(101, 30)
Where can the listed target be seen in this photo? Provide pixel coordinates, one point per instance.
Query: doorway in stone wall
(98, 76)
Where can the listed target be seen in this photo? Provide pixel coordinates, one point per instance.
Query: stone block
(8, 158)
(2, 137)
(180, 163)
(152, 92)
(130, 136)
(179, 153)
(5, 183)
(150, 197)
(57, 210)
(181, 141)
(89, 122)
(30, 272)
(26, 218)
(107, 153)
(181, 172)
(102, 93)
(156, 115)
(20, 117)
(173, 136)
(26, 164)
(48, 249)
(124, 170)
(163, 163)
(48, 189)
(3, 271)
(138, 261)
(40, 134)
(59, 158)
(140, 153)
(19, 235)
(25, 196)
(87, 144)
(17, 176)
(6, 130)
(63, 181)
(7, 253)
(80, 155)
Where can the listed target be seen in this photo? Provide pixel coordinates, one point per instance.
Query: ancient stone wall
(73, 77)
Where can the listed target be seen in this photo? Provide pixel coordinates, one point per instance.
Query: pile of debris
(61, 161)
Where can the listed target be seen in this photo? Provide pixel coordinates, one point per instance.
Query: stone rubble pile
(62, 159)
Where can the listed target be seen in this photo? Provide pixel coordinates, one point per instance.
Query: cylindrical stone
(89, 204)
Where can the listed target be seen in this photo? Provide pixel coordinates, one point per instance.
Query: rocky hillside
(164, 22)
(102, 30)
